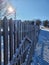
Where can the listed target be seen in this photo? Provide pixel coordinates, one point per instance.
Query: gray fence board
(0, 42)
(11, 38)
(5, 39)
(15, 37)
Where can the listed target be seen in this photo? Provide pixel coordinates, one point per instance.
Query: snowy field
(41, 56)
(44, 28)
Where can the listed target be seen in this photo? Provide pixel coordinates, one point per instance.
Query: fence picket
(0, 42)
(11, 38)
(5, 40)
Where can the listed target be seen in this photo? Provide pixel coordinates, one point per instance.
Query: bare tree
(3, 7)
(38, 22)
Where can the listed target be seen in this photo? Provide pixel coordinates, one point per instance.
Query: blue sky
(31, 9)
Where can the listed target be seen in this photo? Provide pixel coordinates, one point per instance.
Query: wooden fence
(11, 35)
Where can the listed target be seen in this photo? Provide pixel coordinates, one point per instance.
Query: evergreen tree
(45, 23)
(38, 22)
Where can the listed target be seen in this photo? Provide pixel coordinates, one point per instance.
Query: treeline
(45, 23)
(38, 22)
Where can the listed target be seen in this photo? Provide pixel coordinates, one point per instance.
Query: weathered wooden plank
(5, 40)
(15, 37)
(0, 42)
(11, 38)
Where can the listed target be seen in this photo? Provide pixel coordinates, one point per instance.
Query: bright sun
(10, 9)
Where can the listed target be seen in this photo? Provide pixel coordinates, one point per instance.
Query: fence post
(15, 36)
(5, 40)
(0, 42)
(11, 38)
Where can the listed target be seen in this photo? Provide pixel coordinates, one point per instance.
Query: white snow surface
(44, 28)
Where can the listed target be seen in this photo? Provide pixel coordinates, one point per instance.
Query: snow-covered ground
(44, 28)
(41, 56)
